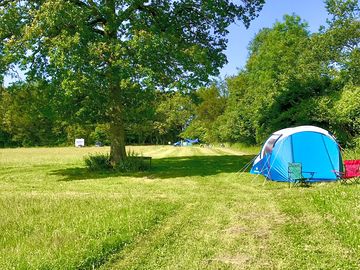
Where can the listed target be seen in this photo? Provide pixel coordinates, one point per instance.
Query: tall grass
(248, 149)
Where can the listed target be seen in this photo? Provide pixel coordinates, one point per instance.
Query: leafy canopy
(81, 44)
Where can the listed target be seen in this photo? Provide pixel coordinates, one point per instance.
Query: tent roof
(290, 131)
(282, 134)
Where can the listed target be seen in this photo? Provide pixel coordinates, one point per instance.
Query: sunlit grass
(193, 210)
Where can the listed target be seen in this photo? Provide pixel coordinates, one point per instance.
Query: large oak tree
(106, 48)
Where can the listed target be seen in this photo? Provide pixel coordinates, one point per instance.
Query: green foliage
(100, 134)
(133, 163)
(293, 78)
(174, 111)
(98, 162)
(49, 118)
(239, 117)
(104, 54)
(341, 10)
(102, 163)
(352, 153)
(211, 105)
(84, 80)
(33, 122)
(271, 84)
(346, 115)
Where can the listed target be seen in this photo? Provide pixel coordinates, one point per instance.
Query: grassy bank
(192, 210)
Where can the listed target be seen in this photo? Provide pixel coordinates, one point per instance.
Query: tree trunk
(117, 123)
(117, 128)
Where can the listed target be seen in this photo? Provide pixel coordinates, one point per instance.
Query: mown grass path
(192, 210)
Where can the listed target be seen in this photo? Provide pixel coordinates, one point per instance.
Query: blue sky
(311, 11)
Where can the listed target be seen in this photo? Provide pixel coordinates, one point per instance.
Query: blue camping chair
(296, 176)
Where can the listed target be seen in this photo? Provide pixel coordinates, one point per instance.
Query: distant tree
(29, 115)
(211, 105)
(140, 114)
(272, 82)
(102, 48)
(334, 56)
(5, 136)
(237, 124)
(337, 46)
(174, 112)
(294, 78)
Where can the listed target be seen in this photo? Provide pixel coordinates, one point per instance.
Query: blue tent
(186, 142)
(192, 141)
(315, 148)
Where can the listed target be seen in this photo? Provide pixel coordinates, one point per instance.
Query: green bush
(98, 162)
(351, 153)
(133, 163)
(101, 162)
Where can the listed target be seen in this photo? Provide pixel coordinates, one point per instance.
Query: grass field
(192, 210)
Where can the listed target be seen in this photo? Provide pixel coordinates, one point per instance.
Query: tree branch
(99, 31)
(95, 12)
(125, 15)
(91, 6)
(96, 21)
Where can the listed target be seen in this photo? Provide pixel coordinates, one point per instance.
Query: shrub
(98, 162)
(101, 162)
(133, 163)
(351, 153)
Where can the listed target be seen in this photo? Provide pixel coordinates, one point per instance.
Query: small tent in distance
(315, 148)
(186, 142)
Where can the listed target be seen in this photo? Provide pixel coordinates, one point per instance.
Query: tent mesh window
(269, 144)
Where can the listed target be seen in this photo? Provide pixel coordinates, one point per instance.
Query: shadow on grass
(169, 168)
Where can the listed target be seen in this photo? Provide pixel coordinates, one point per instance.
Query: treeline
(292, 77)
(41, 114)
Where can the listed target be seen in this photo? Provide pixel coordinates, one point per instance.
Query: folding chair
(352, 171)
(296, 176)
